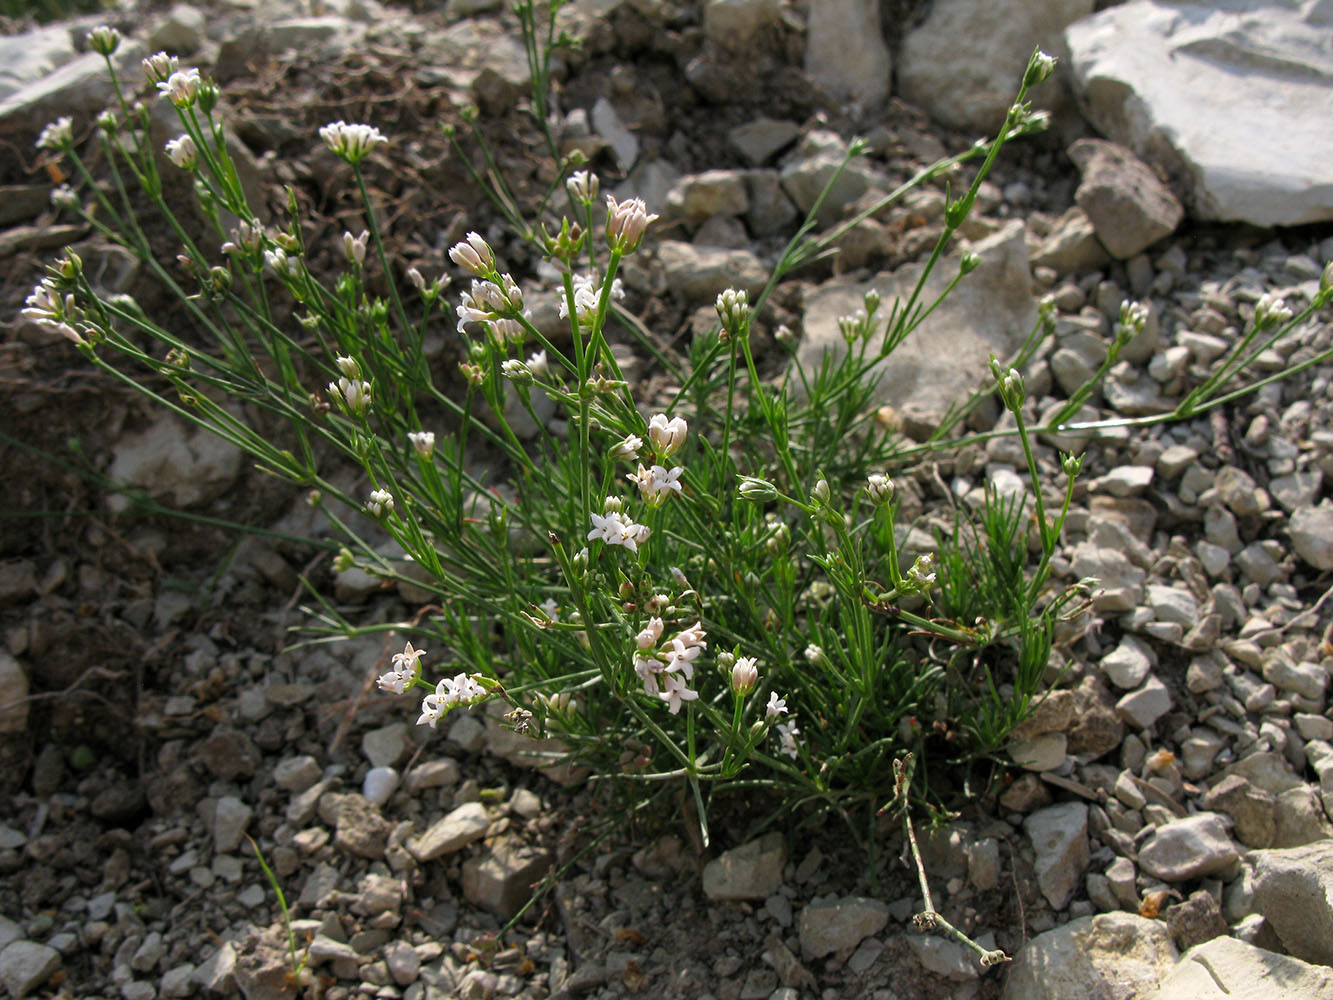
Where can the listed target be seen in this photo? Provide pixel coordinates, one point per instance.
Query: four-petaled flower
(181, 87)
(657, 483)
(617, 529)
(776, 706)
(676, 692)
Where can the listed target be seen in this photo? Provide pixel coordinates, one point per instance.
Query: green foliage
(740, 615)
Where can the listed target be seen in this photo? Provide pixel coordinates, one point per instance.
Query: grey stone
(379, 784)
(1250, 809)
(696, 197)
(1195, 919)
(1116, 956)
(1071, 247)
(78, 86)
(464, 825)
(946, 357)
(1294, 892)
(1188, 848)
(1143, 707)
(820, 154)
(964, 62)
(13, 696)
(1300, 489)
(403, 962)
(1059, 836)
(751, 871)
(608, 125)
(386, 746)
(1305, 679)
(441, 773)
(501, 880)
(1045, 752)
(1120, 583)
(839, 925)
(180, 33)
(1299, 818)
(296, 774)
(230, 818)
(26, 965)
(1228, 969)
(184, 467)
(845, 53)
(1311, 531)
(361, 831)
(1237, 489)
(700, 274)
(32, 55)
(1173, 604)
(948, 958)
(737, 25)
(177, 981)
(218, 971)
(1128, 664)
(758, 140)
(1189, 87)
(1130, 209)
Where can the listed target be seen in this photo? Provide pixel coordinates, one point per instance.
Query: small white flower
(355, 247)
(776, 706)
(744, 675)
(473, 254)
(539, 366)
(648, 668)
(352, 394)
(667, 435)
(676, 692)
(423, 442)
(1270, 310)
(657, 483)
(922, 574)
(64, 197)
(408, 659)
(582, 186)
(57, 134)
(433, 709)
(628, 448)
(552, 609)
(283, 265)
(586, 297)
(158, 67)
(616, 529)
(626, 223)
(680, 659)
(348, 366)
(381, 502)
(182, 87)
(787, 733)
(651, 634)
(351, 142)
(183, 152)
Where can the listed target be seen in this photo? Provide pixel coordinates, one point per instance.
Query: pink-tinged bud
(744, 675)
(473, 255)
(626, 223)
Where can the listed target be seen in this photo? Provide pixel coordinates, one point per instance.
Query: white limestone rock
(1230, 98)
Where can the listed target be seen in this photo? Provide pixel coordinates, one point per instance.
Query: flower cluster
(787, 731)
(657, 483)
(159, 67)
(449, 693)
(404, 672)
(351, 142)
(182, 87)
(45, 307)
(667, 668)
(586, 296)
(493, 303)
(57, 134)
(626, 222)
(381, 502)
(616, 528)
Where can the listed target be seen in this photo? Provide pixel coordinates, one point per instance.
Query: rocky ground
(1170, 794)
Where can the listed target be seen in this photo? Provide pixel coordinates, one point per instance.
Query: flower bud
(355, 247)
(104, 40)
(348, 367)
(968, 263)
(516, 371)
(879, 488)
(423, 442)
(1071, 464)
(474, 255)
(1271, 311)
(1039, 68)
(583, 187)
(757, 490)
(667, 435)
(820, 494)
(613, 505)
(733, 310)
(816, 657)
(626, 223)
(744, 675)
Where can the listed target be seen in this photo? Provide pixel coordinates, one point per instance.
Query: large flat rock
(1230, 97)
